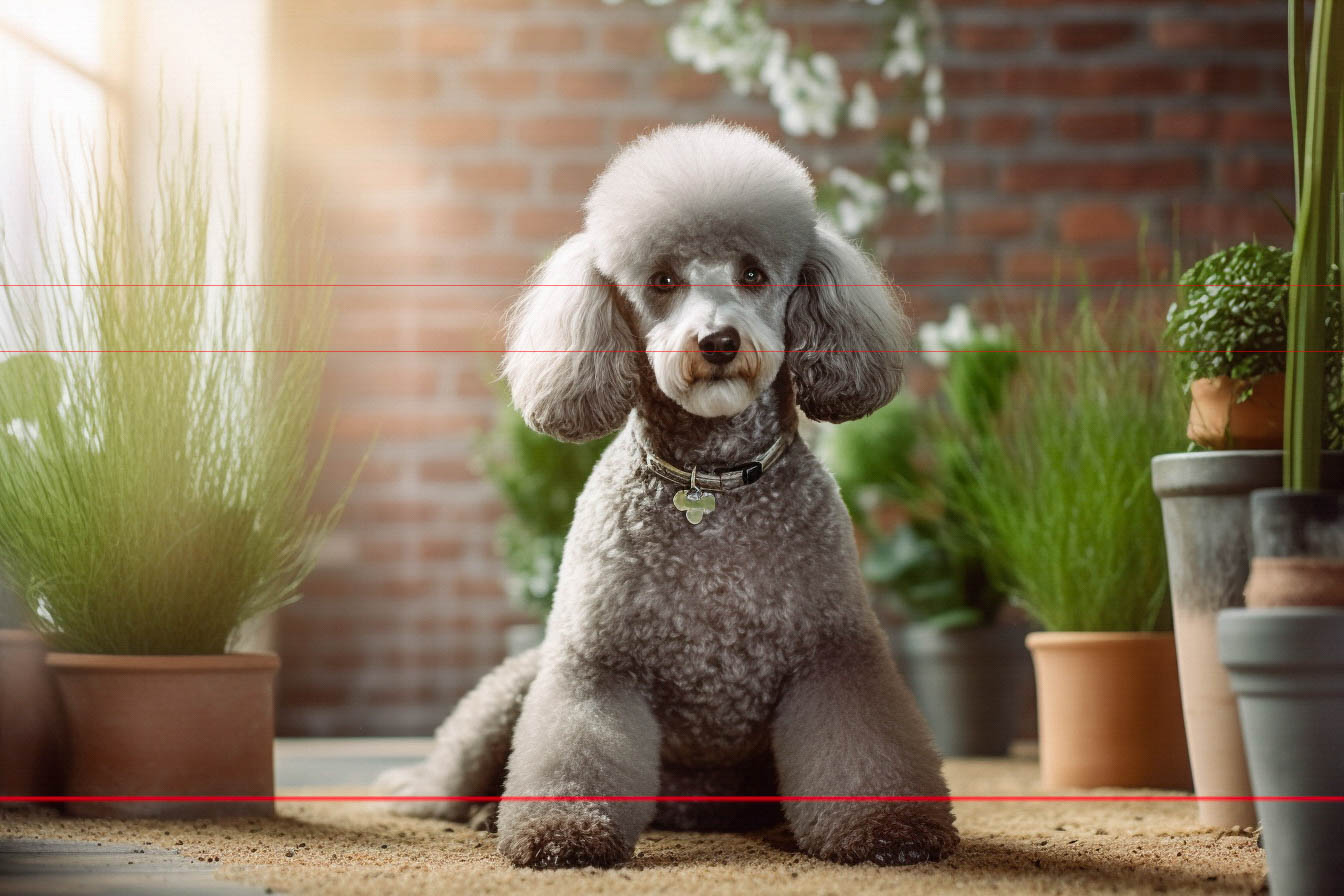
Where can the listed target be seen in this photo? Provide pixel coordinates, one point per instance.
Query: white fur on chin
(717, 398)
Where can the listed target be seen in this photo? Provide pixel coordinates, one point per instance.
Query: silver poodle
(711, 633)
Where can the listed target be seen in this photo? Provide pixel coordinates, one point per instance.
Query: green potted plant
(968, 672)
(1069, 529)
(163, 500)
(1284, 651)
(539, 479)
(1227, 333)
(30, 740)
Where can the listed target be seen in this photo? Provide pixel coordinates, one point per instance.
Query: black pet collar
(692, 499)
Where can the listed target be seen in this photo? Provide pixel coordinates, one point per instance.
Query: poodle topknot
(711, 634)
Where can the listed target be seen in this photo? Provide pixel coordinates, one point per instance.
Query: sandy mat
(334, 848)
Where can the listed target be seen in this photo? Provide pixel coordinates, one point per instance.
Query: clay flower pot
(970, 684)
(30, 718)
(1109, 710)
(168, 726)
(1218, 420)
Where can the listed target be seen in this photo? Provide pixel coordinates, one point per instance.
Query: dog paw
(415, 781)
(892, 835)
(571, 836)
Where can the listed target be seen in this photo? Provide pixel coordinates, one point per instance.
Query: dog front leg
(849, 727)
(577, 737)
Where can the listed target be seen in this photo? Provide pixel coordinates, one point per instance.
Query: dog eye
(663, 281)
(753, 277)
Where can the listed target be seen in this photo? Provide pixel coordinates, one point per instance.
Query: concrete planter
(969, 683)
(168, 726)
(1287, 667)
(1206, 518)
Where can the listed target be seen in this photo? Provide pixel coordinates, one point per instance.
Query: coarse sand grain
(1122, 846)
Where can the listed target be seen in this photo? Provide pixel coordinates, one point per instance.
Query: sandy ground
(1125, 846)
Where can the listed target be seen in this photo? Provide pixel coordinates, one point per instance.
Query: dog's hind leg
(471, 747)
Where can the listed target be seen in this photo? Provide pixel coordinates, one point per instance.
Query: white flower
(919, 133)
(957, 332)
(809, 95)
(934, 107)
(863, 107)
(899, 181)
(860, 203)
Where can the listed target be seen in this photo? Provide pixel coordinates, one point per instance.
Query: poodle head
(702, 248)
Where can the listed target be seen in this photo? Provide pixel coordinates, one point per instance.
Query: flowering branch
(806, 88)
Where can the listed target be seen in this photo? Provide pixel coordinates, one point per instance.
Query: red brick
(391, 511)
(491, 177)
(1163, 174)
(548, 39)
(940, 266)
(1098, 80)
(1206, 33)
(1253, 173)
(454, 220)
(459, 130)
(561, 130)
(592, 85)
(686, 84)
(1184, 124)
(450, 39)
(971, 175)
(836, 37)
(1223, 78)
(992, 38)
(1261, 126)
(1097, 222)
(384, 380)
(635, 41)
(401, 86)
(442, 549)
(1035, 266)
(996, 221)
(546, 223)
(1099, 127)
(382, 551)
(569, 178)
(1090, 36)
(1007, 129)
(904, 223)
(499, 84)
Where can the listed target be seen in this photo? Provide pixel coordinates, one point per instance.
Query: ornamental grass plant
(1062, 503)
(158, 494)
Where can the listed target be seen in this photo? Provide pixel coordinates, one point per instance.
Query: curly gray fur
(740, 655)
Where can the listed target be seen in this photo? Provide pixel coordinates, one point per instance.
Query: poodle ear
(846, 334)
(571, 359)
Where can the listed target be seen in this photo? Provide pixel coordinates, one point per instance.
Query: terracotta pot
(1217, 420)
(168, 726)
(1109, 710)
(30, 718)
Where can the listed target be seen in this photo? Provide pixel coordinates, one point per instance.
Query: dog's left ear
(845, 333)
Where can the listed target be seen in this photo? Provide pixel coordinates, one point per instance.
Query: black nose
(720, 347)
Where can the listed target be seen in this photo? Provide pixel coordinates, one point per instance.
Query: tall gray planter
(970, 683)
(1206, 517)
(1287, 667)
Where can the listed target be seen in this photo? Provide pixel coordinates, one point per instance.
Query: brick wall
(451, 142)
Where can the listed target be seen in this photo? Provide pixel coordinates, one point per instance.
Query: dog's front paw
(416, 781)
(572, 835)
(891, 835)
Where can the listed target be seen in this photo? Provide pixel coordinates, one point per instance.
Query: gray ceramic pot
(1206, 518)
(1287, 669)
(970, 683)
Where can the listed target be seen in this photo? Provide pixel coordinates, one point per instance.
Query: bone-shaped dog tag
(694, 506)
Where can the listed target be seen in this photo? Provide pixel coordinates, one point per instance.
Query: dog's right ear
(571, 360)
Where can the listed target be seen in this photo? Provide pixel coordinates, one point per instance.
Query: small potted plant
(1070, 531)
(968, 671)
(1284, 651)
(539, 480)
(1226, 334)
(163, 499)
